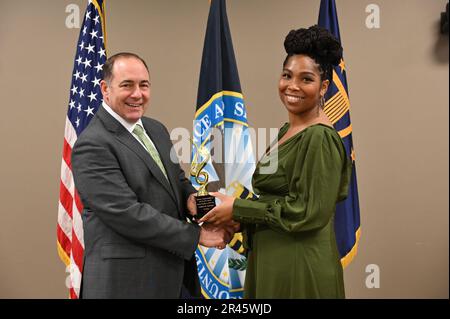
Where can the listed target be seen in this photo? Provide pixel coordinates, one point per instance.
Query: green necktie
(139, 131)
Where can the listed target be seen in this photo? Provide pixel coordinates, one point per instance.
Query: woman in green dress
(289, 229)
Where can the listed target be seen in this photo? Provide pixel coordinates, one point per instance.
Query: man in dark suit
(138, 243)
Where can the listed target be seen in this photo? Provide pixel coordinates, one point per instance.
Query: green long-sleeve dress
(289, 229)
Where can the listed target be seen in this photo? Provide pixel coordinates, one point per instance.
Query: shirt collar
(128, 126)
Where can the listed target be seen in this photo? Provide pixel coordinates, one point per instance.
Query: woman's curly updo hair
(317, 43)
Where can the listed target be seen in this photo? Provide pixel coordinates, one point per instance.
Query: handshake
(213, 233)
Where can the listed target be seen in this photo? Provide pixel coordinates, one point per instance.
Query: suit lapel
(127, 139)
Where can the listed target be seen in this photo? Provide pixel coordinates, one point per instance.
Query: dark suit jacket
(137, 241)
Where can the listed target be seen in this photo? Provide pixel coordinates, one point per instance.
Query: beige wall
(398, 82)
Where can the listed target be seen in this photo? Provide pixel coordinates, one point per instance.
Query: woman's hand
(221, 214)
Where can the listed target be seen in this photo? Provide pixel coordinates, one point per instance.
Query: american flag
(85, 99)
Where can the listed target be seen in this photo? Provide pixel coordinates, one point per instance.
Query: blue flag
(337, 108)
(220, 106)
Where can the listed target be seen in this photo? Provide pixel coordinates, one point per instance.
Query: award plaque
(204, 204)
(204, 201)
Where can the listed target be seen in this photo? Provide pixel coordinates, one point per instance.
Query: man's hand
(191, 205)
(211, 236)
